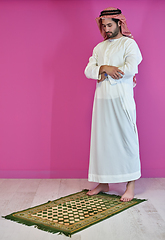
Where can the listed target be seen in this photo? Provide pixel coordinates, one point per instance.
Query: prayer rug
(72, 213)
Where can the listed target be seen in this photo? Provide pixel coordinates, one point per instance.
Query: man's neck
(118, 36)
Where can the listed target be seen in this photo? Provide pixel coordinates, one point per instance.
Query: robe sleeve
(92, 69)
(132, 59)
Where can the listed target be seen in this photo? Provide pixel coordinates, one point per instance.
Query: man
(114, 150)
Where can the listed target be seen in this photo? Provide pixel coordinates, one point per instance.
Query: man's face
(111, 29)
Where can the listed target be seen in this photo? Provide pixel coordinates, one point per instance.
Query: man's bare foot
(102, 187)
(129, 193)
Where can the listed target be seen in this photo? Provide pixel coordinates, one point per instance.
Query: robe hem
(113, 179)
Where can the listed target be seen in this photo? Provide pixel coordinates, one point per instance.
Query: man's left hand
(103, 77)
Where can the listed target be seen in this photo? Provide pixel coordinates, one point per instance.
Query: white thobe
(114, 148)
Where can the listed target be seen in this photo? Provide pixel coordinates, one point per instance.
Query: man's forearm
(112, 71)
(102, 69)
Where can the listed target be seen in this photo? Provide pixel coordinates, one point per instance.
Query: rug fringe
(38, 226)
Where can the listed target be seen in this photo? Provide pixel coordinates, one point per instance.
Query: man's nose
(106, 28)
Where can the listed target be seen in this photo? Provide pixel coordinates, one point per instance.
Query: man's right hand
(112, 71)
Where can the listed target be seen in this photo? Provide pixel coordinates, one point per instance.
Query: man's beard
(113, 34)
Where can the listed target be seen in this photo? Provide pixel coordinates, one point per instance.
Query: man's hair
(115, 20)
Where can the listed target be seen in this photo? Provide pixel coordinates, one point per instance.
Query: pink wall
(45, 99)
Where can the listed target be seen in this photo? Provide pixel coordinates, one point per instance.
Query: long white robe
(114, 149)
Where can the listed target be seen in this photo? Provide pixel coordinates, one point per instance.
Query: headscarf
(117, 14)
(113, 13)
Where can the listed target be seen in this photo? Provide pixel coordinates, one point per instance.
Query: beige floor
(145, 221)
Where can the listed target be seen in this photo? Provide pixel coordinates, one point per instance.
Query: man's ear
(119, 23)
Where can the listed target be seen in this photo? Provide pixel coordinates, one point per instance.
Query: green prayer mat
(72, 213)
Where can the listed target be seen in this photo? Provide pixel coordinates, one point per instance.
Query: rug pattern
(72, 213)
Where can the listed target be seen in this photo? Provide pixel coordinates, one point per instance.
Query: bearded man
(114, 149)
